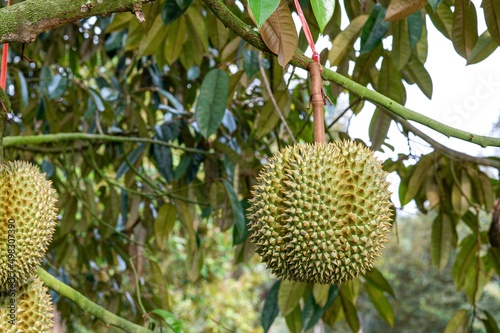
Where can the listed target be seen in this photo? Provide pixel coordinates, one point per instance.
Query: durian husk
(27, 309)
(320, 212)
(27, 221)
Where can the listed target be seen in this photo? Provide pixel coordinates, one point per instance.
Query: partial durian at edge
(320, 213)
(27, 221)
(27, 309)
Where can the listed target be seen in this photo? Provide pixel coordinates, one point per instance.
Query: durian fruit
(27, 221)
(320, 213)
(26, 309)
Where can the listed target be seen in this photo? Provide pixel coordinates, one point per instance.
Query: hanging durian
(27, 221)
(320, 213)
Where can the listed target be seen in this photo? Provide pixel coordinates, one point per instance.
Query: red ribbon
(5, 53)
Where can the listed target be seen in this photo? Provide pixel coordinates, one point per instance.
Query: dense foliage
(153, 135)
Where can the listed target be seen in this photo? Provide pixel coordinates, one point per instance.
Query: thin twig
(271, 96)
(356, 101)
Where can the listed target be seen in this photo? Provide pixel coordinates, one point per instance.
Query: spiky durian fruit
(27, 221)
(26, 309)
(320, 213)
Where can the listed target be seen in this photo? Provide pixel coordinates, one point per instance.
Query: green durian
(27, 221)
(320, 212)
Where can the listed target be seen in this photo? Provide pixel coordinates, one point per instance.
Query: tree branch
(13, 141)
(24, 21)
(246, 32)
(485, 161)
(87, 305)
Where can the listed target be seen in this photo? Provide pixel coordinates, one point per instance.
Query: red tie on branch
(3, 69)
(307, 32)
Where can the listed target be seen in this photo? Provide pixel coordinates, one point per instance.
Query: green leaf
(323, 12)
(293, 321)
(171, 10)
(464, 32)
(442, 19)
(401, 49)
(415, 28)
(344, 41)
(464, 258)
(374, 29)
(270, 309)
(320, 293)
(379, 127)
(490, 324)
(170, 319)
(494, 259)
(417, 73)
(211, 103)
(267, 118)
(241, 230)
(311, 313)
(375, 278)
(485, 46)
(461, 194)
(434, 4)
(164, 224)
(174, 40)
(458, 323)
(381, 303)
(441, 240)
(152, 38)
(491, 10)
(417, 178)
(350, 311)
(289, 296)
(262, 9)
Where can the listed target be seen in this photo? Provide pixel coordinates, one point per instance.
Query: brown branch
(318, 102)
(24, 21)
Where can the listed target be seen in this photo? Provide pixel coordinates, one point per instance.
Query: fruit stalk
(318, 102)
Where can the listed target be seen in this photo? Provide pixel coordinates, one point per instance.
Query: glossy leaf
(293, 321)
(491, 9)
(350, 311)
(434, 4)
(464, 258)
(170, 319)
(279, 34)
(419, 75)
(489, 322)
(164, 224)
(312, 312)
(211, 103)
(270, 310)
(154, 36)
(441, 240)
(344, 41)
(289, 296)
(320, 293)
(458, 323)
(240, 222)
(461, 194)
(262, 9)
(323, 12)
(415, 28)
(381, 303)
(464, 32)
(174, 40)
(401, 49)
(442, 20)
(171, 10)
(399, 9)
(375, 278)
(374, 29)
(485, 46)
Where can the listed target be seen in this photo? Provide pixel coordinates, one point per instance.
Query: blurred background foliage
(151, 206)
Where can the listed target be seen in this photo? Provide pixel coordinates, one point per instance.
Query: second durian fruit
(27, 221)
(27, 309)
(321, 213)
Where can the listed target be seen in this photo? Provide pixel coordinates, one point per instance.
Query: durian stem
(318, 101)
(87, 305)
(4, 109)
